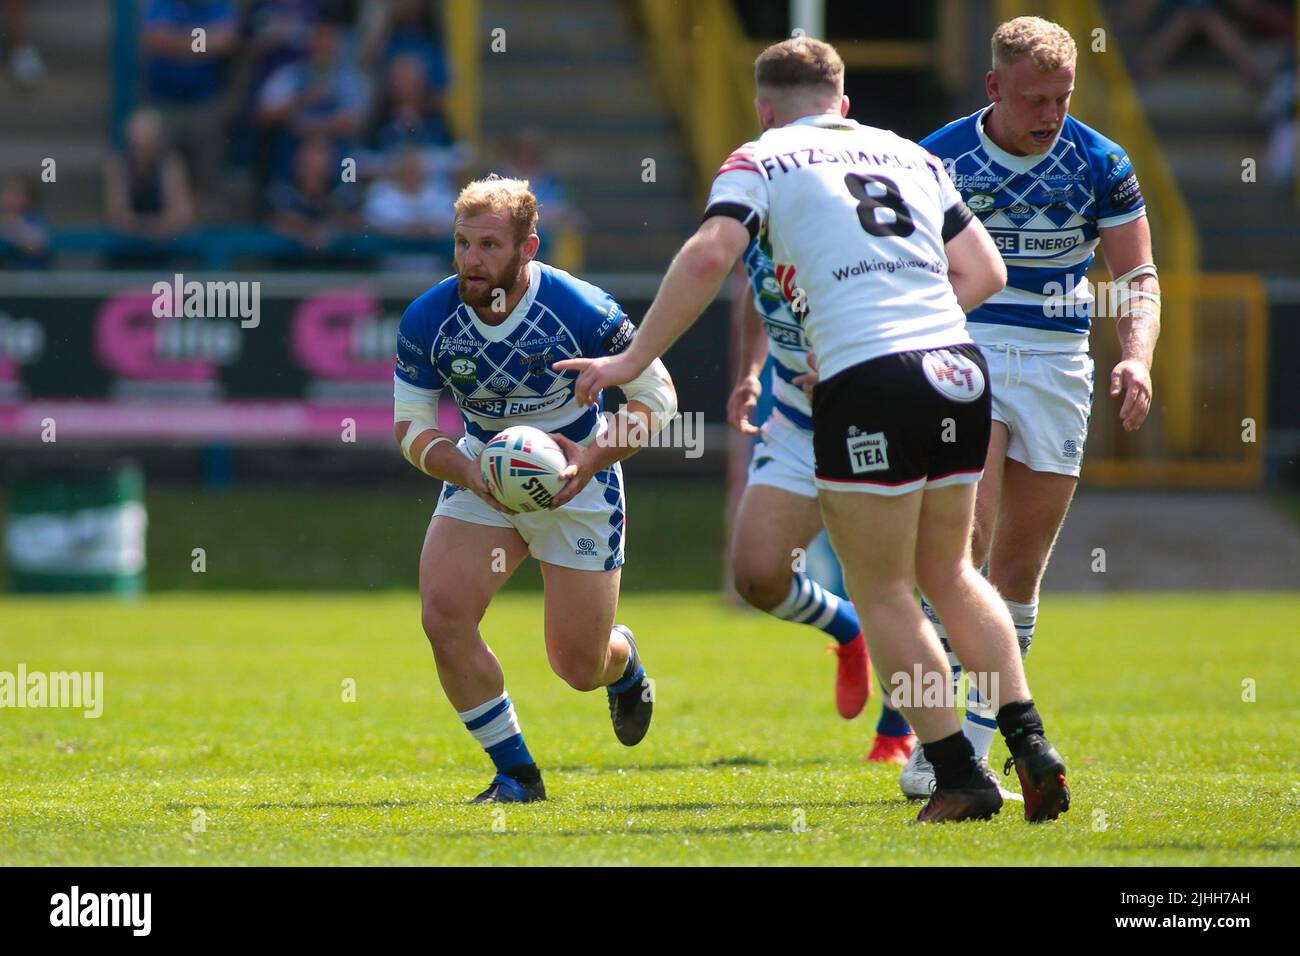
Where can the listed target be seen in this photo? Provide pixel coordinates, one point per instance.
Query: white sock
(1024, 617)
(981, 723)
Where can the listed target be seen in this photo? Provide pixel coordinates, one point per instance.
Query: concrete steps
(65, 117)
(1208, 122)
(600, 132)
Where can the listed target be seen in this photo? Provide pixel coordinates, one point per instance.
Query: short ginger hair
(495, 193)
(799, 62)
(1048, 44)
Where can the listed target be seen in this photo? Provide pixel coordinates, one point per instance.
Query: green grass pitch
(225, 739)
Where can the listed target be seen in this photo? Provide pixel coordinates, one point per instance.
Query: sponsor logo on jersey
(983, 182)
(953, 375)
(500, 384)
(618, 340)
(785, 335)
(544, 342)
(979, 202)
(464, 369)
(407, 344)
(785, 277)
(886, 265)
(537, 364)
(529, 406)
(1015, 242)
(869, 452)
(1126, 193)
(409, 371)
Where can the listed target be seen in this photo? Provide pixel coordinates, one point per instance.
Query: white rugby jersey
(857, 218)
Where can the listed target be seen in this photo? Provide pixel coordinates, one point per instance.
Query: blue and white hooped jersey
(1043, 212)
(786, 342)
(502, 375)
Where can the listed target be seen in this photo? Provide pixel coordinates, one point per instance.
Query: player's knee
(1017, 576)
(878, 595)
(443, 622)
(980, 540)
(761, 586)
(579, 670)
(941, 580)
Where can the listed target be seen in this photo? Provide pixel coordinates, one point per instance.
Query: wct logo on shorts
(867, 452)
(953, 375)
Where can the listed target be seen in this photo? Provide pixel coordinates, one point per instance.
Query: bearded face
(488, 258)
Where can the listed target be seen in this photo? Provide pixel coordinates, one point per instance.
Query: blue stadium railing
(226, 247)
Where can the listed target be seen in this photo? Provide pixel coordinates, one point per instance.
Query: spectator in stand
(276, 34)
(315, 207)
(411, 204)
(1279, 110)
(146, 188)
(527, 160)
(185, 81)
(25, 63)
(406, 28)
(24, 237)
(409, 116)
(321, 96)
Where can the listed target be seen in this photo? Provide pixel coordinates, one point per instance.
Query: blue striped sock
(809, 603)
(953, 663)
(495, 726)
(981, 723)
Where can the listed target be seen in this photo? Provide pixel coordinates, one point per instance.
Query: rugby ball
(522, 467)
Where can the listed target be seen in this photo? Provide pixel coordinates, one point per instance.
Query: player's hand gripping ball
(522, 467)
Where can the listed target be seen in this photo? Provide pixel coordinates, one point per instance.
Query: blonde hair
(801, 61)
(1048, 44)
(495, 193)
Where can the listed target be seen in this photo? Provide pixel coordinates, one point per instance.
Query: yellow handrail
(461, 23)
(697, 53)
(464, 48)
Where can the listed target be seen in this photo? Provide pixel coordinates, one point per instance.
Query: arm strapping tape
(1125, 294)
(421, 416)
(654, 389)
